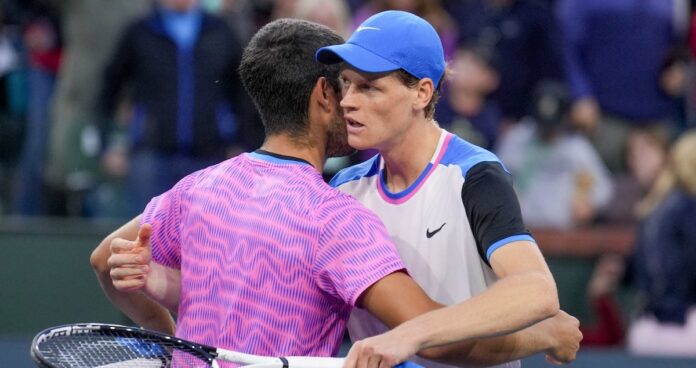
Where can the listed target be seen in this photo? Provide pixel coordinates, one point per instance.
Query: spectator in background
(690, 87)
(646, 152)
(334, 14)
(662, 266)
(282, 8)
(467, 109)
(12, 103)
(615, 53)
(522, 34)
(674, 81)
(560, 180)
(90, 30)
(188, 99)
(239, 15)
(430, 10)
(608, 329)
(355, 4)
(42, 40)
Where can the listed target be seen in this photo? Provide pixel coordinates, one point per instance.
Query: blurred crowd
(590, 104)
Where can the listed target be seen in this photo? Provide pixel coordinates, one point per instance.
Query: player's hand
(381, 351)
(130, 261)
(564, 330)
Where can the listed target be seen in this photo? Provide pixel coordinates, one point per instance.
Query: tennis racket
(91, 345)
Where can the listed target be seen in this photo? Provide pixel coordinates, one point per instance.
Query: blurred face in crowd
(646, 156)
(472, 81)
(328, 18)
(405, 5)
(331, 13)
(179, 5)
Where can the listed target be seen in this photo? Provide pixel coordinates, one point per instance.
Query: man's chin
(357, 144)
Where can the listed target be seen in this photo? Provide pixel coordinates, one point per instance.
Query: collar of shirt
(183, 27)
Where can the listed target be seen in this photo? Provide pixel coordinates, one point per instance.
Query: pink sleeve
(164, 214)
(355, 250)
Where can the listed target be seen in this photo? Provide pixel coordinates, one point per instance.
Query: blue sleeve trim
(365, 169)
(508, 240)
(467, 155)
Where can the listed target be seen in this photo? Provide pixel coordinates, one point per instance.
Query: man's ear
(425, 91)
(324, 94)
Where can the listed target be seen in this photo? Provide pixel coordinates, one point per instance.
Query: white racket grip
(302, 362)
(314, 362)
(237, 357)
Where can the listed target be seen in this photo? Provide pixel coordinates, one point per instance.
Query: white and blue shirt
(446, 225)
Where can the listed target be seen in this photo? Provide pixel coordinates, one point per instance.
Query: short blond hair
(411, 81)
(680, 172)
(683, 161)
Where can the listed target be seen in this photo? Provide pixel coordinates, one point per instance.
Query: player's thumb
(144, 235)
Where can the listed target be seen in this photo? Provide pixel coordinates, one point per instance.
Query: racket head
(88, 345)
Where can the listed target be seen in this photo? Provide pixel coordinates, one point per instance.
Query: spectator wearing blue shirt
(190, 110)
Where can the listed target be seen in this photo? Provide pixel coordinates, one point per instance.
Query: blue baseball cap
(388, 41)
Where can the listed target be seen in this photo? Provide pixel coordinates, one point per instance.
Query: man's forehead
(349, 71)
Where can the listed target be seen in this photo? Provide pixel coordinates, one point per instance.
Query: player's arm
(524, 295)
(132, 270)
(137, 306)
(482, 331)
(525, 290)
(559, 337)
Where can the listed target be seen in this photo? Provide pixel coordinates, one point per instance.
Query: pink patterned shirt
(272, 259)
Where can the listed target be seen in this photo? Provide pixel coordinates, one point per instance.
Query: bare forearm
(138, 307)
(135, 305)
(493, 350)
(164, 286)
(512, 304)
(489, 328)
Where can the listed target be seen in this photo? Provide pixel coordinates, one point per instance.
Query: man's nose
(348, 100)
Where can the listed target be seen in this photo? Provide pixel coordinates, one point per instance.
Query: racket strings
(114, 350)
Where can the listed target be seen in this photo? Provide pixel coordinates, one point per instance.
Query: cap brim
(356, 56)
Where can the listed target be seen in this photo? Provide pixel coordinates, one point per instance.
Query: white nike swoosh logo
(363, 28)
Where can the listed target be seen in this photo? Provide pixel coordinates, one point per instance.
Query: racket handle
(314, 362)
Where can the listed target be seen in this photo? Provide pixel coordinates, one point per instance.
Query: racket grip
(408, 365)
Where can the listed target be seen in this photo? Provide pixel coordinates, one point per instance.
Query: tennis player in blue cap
(448, 204)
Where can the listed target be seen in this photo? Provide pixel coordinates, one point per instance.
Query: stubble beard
(337, 141)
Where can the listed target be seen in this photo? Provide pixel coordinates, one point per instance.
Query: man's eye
(366, 87)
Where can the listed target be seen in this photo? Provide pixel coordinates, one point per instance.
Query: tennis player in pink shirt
(258, 253)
